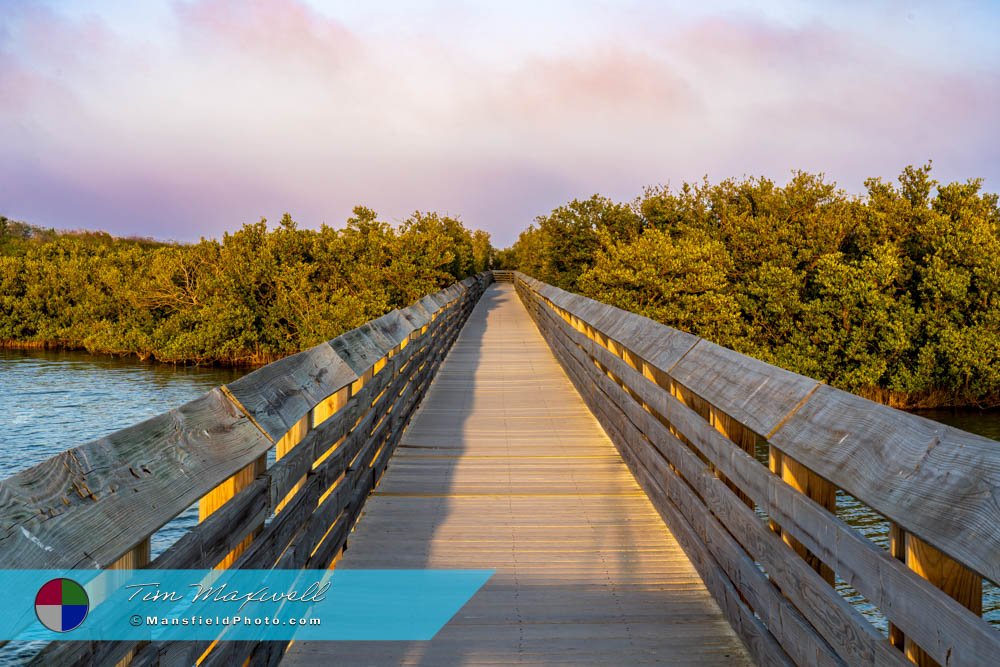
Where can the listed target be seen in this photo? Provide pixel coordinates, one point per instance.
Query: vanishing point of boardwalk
(504, 467)
(508, 465)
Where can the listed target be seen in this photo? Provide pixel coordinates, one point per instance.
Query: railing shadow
(553, 608)
(410, 506)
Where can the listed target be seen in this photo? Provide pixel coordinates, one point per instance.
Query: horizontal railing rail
(503, 276)
(334, 413)
(744, 462)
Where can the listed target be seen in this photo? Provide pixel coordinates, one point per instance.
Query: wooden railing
(335, 414)
(503, 276)
(744, 462)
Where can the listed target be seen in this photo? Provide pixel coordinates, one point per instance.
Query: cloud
(233, 111)
(276, 29)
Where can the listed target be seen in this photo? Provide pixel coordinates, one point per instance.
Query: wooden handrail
(502, 275)
(688, 417)
(97, 504)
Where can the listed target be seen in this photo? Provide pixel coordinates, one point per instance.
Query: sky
(178, 119)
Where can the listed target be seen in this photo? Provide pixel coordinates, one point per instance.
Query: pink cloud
(274, 28)
(250, 109)
(610, 78)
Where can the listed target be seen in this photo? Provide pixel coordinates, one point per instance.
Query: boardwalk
(504, 467)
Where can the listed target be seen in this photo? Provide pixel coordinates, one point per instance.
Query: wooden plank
(959, 582)
(897, 549)
(560, 559)
(74, 653)
(935, 481)
(839, 623)
(78, 509)
(307, 535)
(222, 494)
(756, 394)
(955, 636)
(320, 536)
(280, 394)
(824, 493)
(665, 488)
(360, 349)
(794, 633)
(393, 328)
(230, 522)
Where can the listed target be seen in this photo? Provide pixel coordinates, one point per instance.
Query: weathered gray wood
(950, 634)
(939, 483)
(274, 398)
(82, 508)
(797, 637)
(202, 546)
(393, 327)
(220, 532)
(359, 349)
(695, 524)
(934, 472)
(278, 395)
(842, 626)
(503, 467)
(756, 394)
(340, 509)
(295, 534)
(655, 343)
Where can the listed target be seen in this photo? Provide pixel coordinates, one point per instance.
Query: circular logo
(61, 605)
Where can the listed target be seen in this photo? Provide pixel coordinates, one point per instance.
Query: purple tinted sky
(183, 119)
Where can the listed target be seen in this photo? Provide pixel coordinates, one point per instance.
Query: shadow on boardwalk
(503, 467)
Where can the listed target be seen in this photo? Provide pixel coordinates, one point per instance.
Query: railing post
(897, 549)
(774, 464)
(810, 484)
(293, 437)
(741, 436)
(949, 575)
(221, 494)
(134, 559)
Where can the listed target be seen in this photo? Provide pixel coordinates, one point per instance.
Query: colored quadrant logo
(61, 605)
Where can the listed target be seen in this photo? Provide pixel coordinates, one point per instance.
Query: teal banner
(168, 605)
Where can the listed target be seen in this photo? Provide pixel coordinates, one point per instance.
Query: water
(51, 401)
(875, 527)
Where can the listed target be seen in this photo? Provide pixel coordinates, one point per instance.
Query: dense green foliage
(254, 296)
(894, 295)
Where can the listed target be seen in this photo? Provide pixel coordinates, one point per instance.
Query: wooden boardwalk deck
(504, 467)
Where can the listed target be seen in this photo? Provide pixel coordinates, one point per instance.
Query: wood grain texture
(958, 582)
(708, 541)
(839, 623)
(89, 505)
(230, 523)
(496, 455)
(955, 635)
(503, 466)
(811, 485)
(280, 394)
(756, 394)
(938, 483)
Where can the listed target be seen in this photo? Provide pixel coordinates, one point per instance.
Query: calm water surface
(51, 401)
(874, 526)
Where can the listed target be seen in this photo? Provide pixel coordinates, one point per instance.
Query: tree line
(254, 296)
(894, 295)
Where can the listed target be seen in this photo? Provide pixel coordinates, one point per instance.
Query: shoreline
(934, 399)
(149, 358)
